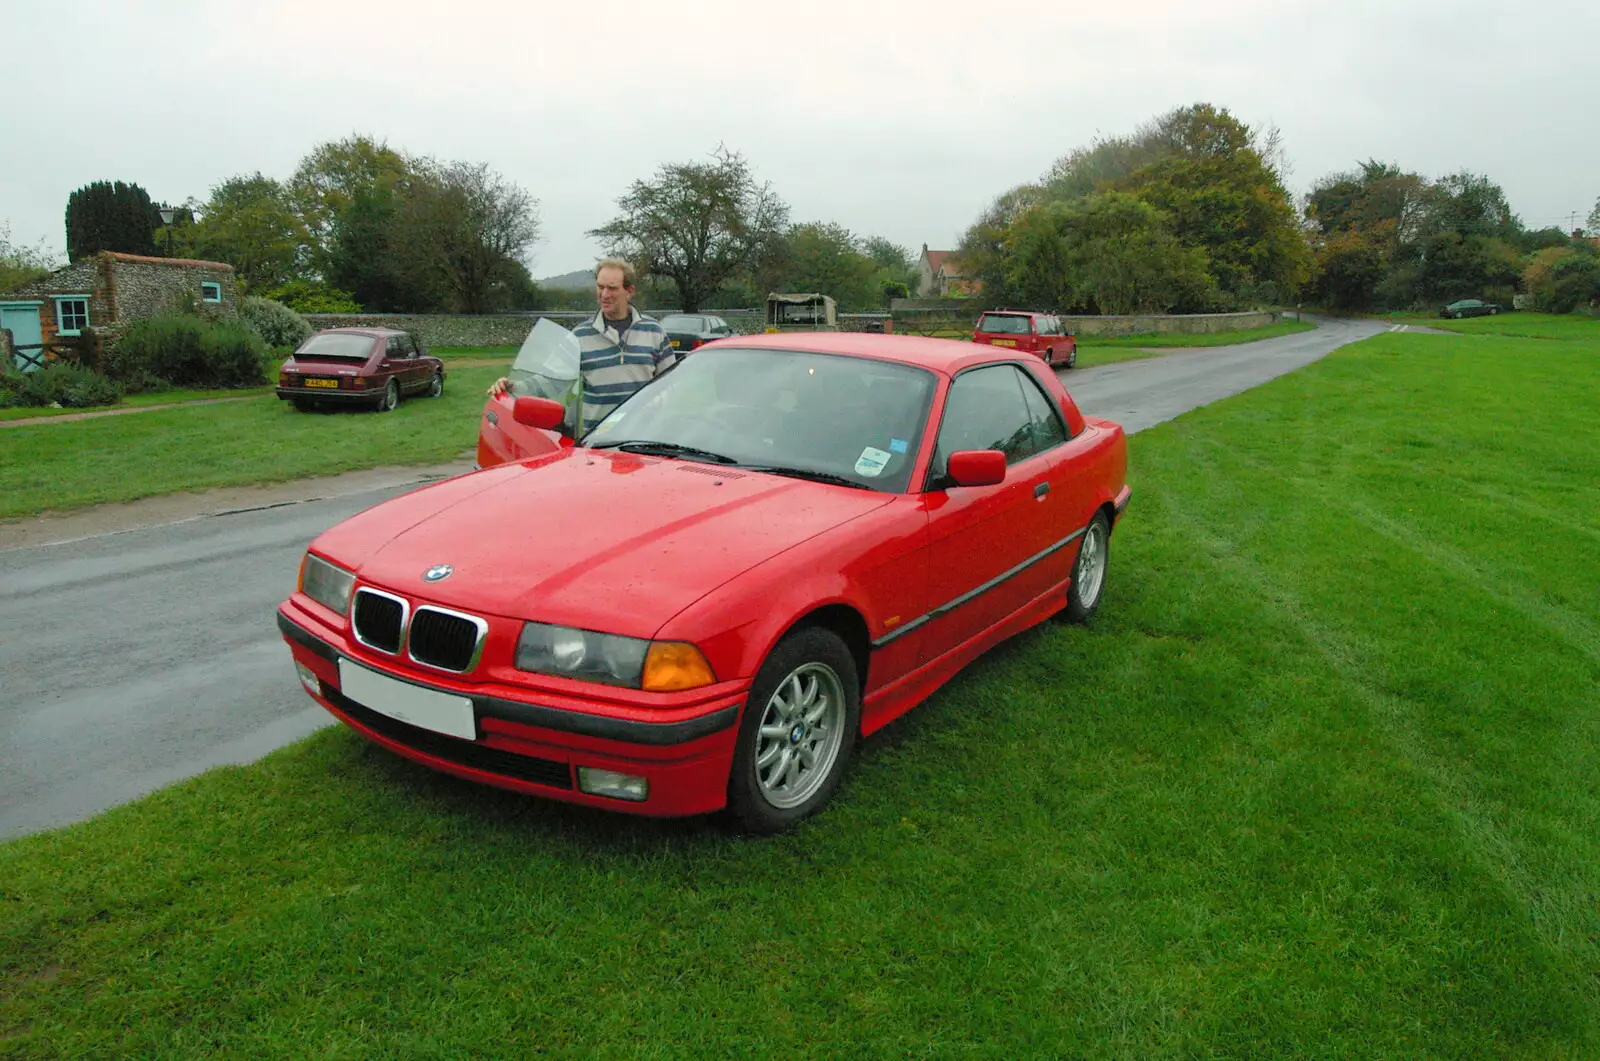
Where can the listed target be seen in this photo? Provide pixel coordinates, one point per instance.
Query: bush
(306, 296)
(280, 327)
(184, 351)
(66, 385)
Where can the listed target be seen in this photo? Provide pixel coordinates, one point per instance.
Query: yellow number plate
(332, 384)
(674, 344)
(1002, 342)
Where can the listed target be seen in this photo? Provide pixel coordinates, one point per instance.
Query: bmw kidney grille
(380, 620)
(433, 636)
(445, 639)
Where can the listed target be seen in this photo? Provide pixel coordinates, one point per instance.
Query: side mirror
(976, 467)
(542, 413)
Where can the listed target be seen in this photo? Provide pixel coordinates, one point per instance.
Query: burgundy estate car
(371, 367)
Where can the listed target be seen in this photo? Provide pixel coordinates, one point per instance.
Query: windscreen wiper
(804, 473)
(665, 449)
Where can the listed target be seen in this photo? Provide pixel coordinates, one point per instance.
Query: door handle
(493, 417)
(1040, 490)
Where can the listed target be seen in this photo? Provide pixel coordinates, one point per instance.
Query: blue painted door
(23, 320)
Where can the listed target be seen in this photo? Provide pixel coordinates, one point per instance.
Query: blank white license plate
(427, 708)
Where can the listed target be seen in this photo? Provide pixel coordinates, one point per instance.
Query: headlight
(582, 654)
(611, 659)
(327, 584)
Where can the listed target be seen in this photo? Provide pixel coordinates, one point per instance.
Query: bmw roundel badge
(437, 573)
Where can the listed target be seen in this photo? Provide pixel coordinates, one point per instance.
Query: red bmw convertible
(773, 549)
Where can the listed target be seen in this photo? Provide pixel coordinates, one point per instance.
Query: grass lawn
(167, 397)
(1097, 350)
(1579, 326)
(121, 458)
(1231, 337)
(473, 352)
(1322, 781)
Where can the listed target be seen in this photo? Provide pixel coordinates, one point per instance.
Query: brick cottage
(105, 292)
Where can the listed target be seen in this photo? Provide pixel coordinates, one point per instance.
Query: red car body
(1040, 334)
(731, 561)
(501, 439)
(369, 367)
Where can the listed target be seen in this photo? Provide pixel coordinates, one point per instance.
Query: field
(1323, 780)
(1575, 326)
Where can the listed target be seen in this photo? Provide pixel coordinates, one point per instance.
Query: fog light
(610, 783)
(309, 679)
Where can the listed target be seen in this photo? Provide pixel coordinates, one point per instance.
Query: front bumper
(533, 743)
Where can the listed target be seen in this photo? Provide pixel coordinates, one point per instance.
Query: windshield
(1003, 324)
(856, 419)
(679, 323)
(336, 346)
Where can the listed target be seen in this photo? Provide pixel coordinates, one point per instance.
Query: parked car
(1034, 333)
(370, 367)
(688, 331)
(768, 552)
(1469, 307)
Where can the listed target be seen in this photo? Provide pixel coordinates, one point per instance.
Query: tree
(467, 229)
(19, 264)
(1471, 205)
(984, 244)
(896, 273)
(1394, 239)
(1349, 266)
(697, 223)
(1111, 252)
(1218, 184)
(822, 256)
(1592, 224)
(346, 193)
(109, 216)
(250, 223)
(1225, 199)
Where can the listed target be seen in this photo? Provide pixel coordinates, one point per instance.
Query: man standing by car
(619, 347)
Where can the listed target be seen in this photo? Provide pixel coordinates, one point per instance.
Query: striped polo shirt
(614, 366)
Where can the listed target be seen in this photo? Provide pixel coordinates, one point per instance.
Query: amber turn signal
(673, 665)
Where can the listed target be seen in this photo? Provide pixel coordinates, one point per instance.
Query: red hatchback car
(369, 367)
(1033, 333)
(769, 551)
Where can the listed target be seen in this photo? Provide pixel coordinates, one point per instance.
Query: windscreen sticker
(871, 462)
(897, 445)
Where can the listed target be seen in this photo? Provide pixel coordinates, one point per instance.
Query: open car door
(545, 367)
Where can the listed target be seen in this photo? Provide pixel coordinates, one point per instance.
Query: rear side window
(1003, 324)
(1048, 430)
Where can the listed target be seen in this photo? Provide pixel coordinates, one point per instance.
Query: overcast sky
(895, 119)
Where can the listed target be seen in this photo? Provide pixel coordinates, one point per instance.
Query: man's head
(614, 281)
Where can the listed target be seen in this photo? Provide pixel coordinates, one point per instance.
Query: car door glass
(1047, 428)
(986, 409)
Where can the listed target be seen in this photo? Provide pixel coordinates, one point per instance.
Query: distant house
(940, 275)
(105, 292)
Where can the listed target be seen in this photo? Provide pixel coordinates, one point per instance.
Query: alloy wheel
(800, 734)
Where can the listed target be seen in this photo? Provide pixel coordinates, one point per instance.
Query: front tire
(1089, 570)
(798, 732)
(391, 398)
(436, 387)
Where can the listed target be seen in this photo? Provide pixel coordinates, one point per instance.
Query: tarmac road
(134, 655)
